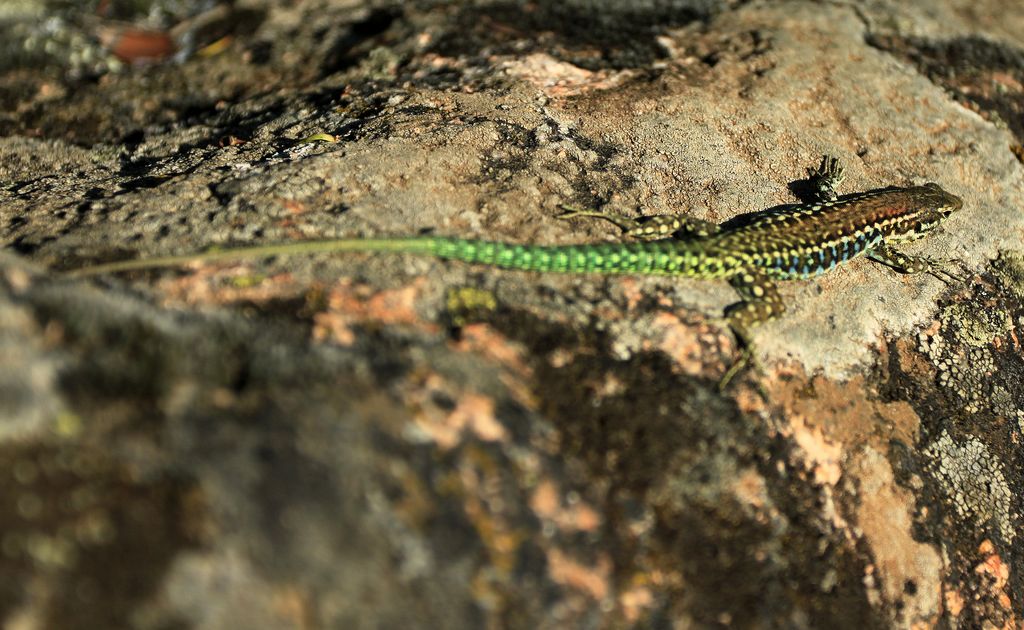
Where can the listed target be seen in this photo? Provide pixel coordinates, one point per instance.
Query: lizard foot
(827, 178)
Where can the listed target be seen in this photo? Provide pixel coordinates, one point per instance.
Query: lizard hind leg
(654, 227)
(624, 223)
(761, 303)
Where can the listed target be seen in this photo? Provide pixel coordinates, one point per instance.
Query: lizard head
(943, 202)
(936, 203)
(930, 206)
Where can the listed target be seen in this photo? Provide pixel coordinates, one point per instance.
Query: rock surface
(388, 441)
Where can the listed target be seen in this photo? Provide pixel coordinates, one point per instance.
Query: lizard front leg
(649, 228)
(906, 263)
(827, 178)
(761, 303)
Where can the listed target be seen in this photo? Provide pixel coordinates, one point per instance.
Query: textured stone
(387, 441)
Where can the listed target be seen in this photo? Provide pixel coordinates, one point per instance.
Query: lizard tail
(649, 257)
(415, 245)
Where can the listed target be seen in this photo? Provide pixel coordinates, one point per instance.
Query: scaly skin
(785, 244)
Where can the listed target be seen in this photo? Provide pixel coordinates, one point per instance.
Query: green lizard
(751, 253)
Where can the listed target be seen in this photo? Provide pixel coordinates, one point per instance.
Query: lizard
(752, 252)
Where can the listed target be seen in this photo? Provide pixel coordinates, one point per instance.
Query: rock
(389, 441)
